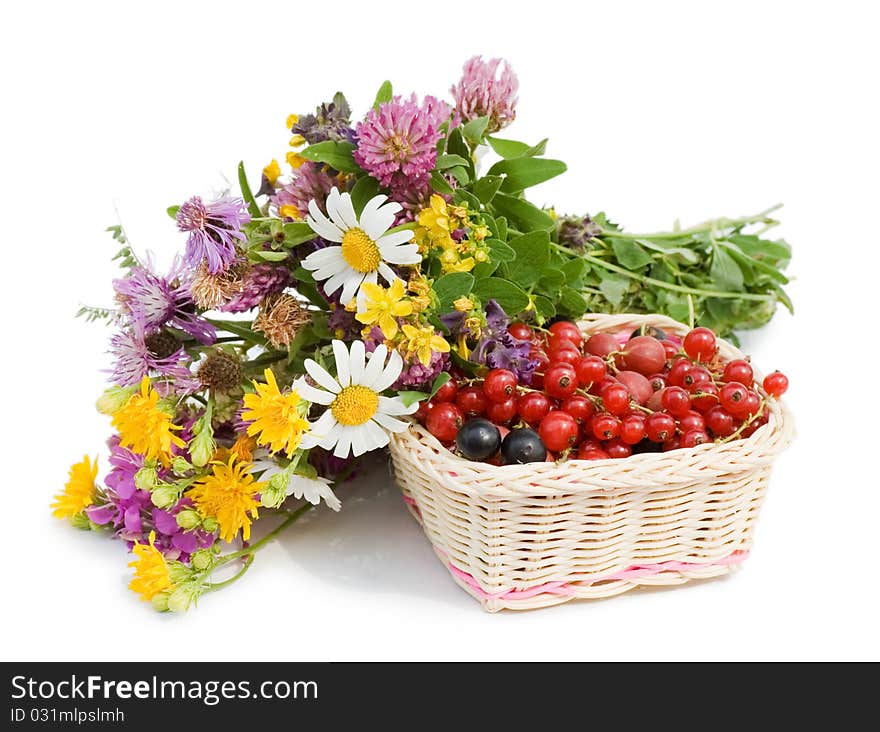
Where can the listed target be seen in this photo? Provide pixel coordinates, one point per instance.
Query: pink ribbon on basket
(563, 588)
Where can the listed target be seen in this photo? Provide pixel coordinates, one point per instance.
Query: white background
(661, 110)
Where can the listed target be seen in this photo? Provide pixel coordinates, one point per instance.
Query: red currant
(695, 377)
(595, 454)
(447, 392)
(501, 412)
(615, 398)
(569, 330)
(704, 397)
(618, 449)
(605, 426)
(658, 382)
(590, 369)
(753, 404)
(673, 443)
(678, 371)
(776, 384)
(560, 381)
(734, 398)
(676, 401)
(670, 349)
(421, 413)
(699, 344)
(659, 427)
(500, 385)
(739, 370)
(543, 363)
(578, 407)
(520, 331)
(532, 407)
(472, 400)
(565, 354)
(691, 421)
(558, 431)
(601, 344)
(692, 438)
(632, 429)
(720, 422)
(443, 421)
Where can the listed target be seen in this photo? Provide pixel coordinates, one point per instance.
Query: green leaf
(440, 184)
(268, 256)
(474, 130)
(532, 254)
(411, 397)
(241, 328)
(724, 270)
(441, 379)
(522, 214)
(462, 197)
(384, 95)
(759, 248)
(338, 155)
(366, 188)
(460, 174)
(172, 211)
(456, 145)
(499, 251)
(574, 270)
(551, 280)
(253, 208)
(613, 287)
(572, 302)
(507, 148)
(450, 287)
(501, 226)
(544, 307)
(485, 269)
(450, 161)
(487, 186)
(297, 233)
(630, 254)
(509, 295)
(526, 172)
(538, 149)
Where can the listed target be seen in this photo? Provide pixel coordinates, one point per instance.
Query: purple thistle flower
(330, 122)
(482, 92)
(213, 230)
(310, 181)
(152, 302)
(397, 143)
(260, 281)
(130, 511)
(138, 355)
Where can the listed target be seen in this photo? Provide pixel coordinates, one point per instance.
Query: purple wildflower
(213, 230)
(152, 302)
(397, 143)
(260, 281)
(310, 181)
(130, 511)
(416, 375)
(137, 355)
(330, 122)
(482, 92)
(498, 349)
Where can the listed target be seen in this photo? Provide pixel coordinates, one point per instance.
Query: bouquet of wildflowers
(306, 318)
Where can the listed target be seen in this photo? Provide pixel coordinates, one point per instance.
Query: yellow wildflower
(289, 211)
(292, 119)
(460, 265)
(145, 427)
(243, 448)
(463, 304)
(384, 306)
(151, 574)
(272, 171)
(435, 219)
(228, 496)
(424, 342)
(294, 159)
(79, 492)
(277, 419)
(297, 141)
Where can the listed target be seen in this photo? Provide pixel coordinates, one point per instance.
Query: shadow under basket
(529, 536)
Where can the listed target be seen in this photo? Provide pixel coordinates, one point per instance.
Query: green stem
(713, 224)
(257, 545)
(213, 586)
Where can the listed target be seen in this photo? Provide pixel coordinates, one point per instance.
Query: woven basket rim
(771, 439)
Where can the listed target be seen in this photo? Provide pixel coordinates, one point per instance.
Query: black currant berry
(523, 446)
(478, 439)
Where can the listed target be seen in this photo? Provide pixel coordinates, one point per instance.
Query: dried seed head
(280, 317)
(221, 372)
(210, 291)
(161, 344)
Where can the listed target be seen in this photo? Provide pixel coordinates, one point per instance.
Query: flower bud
(188, 519)
(180, 599)
(202, 446)
(146, 478)
(114, 399)
(180, 465)
(160, 601)
(202, 559)
(274, 493)
(164, 496)
(210, 524)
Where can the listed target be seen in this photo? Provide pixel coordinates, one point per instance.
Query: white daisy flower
(359, 418)
(366, 246)
(299, 486)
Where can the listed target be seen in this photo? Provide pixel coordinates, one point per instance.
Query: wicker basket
(530, 536)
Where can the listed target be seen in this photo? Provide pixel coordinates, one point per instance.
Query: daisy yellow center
(360, 251)
(355, 405)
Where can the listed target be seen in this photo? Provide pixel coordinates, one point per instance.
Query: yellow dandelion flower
(383, 306)
(145, 427)
(289, 211)
(79, 492)
(272, 171)
(278, 420)
(228, 496)
(424, 342)
(294, 159)
(297, 141)
(243, 448)
(292, 119)
(151, 574)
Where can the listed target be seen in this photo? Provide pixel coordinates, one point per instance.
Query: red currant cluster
(601, 398)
